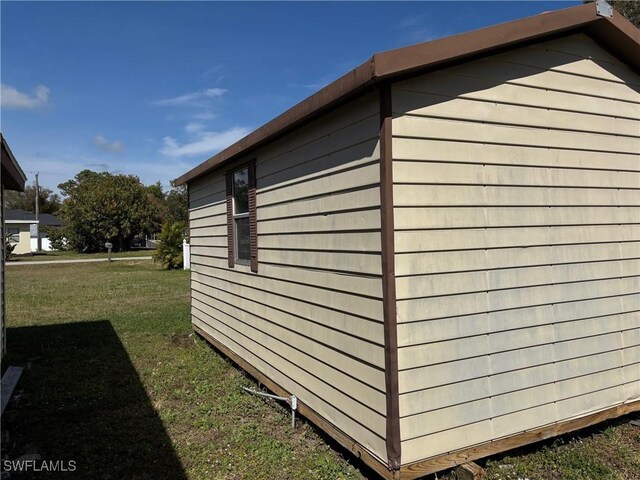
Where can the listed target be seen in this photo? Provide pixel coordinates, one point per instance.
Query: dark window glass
(243, 250)
(14, 234)
(241, 191)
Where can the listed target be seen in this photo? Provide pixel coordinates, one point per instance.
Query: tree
(177, 202)
(101, 207)
(156, 197)
(9, 246)
(48, 201)
(630, 9)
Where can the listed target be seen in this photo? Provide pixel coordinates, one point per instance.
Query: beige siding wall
(517, 238)
(311, 318)
(23, 246)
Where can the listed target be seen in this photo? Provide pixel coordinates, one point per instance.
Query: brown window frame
(232, 253)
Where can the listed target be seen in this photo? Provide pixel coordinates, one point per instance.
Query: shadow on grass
(82, 401)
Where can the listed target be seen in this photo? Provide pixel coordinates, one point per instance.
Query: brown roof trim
(346, 86)
(616, 33)
(13, 178)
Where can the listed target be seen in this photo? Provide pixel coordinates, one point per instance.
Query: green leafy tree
(630, 9)
(101, 207)
(169, 252)
(157, 201)
(48, 201)
(177, 203)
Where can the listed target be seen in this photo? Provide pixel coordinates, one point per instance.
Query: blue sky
(155, 88)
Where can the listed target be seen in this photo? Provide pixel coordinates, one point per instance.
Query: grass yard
(115, 382)
(71, 255)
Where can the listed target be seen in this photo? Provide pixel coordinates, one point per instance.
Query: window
(13, 234)
(241, 217)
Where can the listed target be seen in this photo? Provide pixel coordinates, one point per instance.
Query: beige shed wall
(311, 318)
(24, 245)
(516, 191)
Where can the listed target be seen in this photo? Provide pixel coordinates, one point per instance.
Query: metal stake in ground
(109, 246)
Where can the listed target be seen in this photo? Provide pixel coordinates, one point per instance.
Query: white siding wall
(517, 237)
(311, 318)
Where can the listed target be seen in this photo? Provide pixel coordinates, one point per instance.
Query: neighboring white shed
(438, 253)
(24, 229)
(18, 230)
(12, 178)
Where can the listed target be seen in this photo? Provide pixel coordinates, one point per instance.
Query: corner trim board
(389, 281)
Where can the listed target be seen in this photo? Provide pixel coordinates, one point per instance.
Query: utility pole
(39, 247)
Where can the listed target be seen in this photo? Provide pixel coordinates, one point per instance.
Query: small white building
(19, 232)
(24, 229)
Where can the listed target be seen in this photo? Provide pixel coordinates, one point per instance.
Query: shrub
(56, 237)
(8, 246)
(169, 252)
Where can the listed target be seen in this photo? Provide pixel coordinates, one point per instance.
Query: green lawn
(115, 382)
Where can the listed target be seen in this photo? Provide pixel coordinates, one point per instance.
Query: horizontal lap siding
(311, 318)
(516, 195)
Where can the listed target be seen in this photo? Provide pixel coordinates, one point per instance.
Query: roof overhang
(13, 178)
(29, 222)
(615, 33)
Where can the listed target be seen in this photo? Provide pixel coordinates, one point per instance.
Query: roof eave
(13, 178)
(30, 222)
(347, 86)
(619, 35)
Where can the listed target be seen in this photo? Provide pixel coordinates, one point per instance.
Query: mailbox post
(109, 246)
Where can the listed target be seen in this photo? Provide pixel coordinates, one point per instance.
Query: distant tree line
(48, 202)
(100, 207)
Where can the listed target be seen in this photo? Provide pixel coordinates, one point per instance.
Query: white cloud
(11, 97)
(195, 99)
(194, 127)
(204, 116)
(202, 143)
(107, 146)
